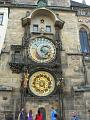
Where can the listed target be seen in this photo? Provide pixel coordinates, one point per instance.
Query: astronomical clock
(38, 58)
(42, 50)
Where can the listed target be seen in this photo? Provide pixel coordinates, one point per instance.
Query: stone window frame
(84, 27)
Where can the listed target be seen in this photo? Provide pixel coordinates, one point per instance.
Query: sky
(87, 1)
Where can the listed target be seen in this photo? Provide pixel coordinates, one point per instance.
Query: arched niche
(43, 18)
(43, 11)
(49, 18)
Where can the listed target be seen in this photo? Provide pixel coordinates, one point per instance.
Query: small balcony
(16, 63)
(16, 58)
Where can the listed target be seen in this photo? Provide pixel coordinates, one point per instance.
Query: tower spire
(84, 2)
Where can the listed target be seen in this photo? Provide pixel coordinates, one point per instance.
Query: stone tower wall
(72, 64)
(64, 3)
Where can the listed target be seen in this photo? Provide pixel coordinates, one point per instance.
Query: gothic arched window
(84, 40)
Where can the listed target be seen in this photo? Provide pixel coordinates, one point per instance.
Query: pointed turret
(42, 3)
(83, 2)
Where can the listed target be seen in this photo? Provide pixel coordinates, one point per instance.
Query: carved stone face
(42, 83)
(42, 50)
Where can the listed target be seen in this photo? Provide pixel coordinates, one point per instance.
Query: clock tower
(41, 67)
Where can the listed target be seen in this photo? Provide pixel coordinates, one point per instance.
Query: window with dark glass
(17, 56)
(48, 28)
(35, 28)
(84, 40)
(1, 19)
(83, 12)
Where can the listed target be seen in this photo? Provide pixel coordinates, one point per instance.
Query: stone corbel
(26, 21)
(59, 24)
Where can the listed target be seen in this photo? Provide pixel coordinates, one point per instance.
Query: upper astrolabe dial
(42, 50)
